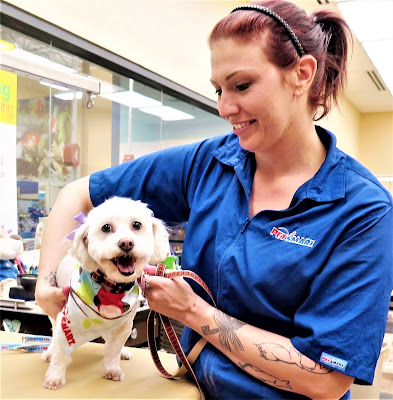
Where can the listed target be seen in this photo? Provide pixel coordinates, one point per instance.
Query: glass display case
(58, 139)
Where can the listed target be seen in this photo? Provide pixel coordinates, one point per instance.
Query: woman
(284, 228)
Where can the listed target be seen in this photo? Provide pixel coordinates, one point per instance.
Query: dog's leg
(46, 355)
(55, 374)
(125, 354)
(113, 351)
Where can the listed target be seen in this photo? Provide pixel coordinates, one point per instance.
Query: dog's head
(119, 237)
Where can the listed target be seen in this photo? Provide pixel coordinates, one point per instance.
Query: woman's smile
(240, 127)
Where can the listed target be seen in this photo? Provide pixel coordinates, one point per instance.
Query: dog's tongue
(126, 265)
(126, 268)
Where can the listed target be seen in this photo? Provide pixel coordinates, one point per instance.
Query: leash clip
(143, 282)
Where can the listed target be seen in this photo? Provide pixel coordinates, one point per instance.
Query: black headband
(270, 13)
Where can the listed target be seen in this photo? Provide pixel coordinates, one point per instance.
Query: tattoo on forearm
(276, 352)
(226, 326)
(267, 378)
(51, 278)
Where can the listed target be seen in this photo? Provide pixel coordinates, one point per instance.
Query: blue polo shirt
(319, 272)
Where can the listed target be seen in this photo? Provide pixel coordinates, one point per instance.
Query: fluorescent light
(143, 103)
(69, 95)
(167, 113)
(38, 60)
(53, 85)
(21, 61)
(369, 19)
(382, 58)
(131, 99)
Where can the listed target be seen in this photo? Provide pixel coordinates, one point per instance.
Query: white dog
(107, 256)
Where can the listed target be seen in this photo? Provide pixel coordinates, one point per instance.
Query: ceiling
(365, 88)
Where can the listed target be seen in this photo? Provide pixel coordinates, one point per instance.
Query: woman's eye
(136, 225)
(243, 87)
(106, 228)
(218, 92)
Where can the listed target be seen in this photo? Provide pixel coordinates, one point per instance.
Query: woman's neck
(299, 153)
(279, 174)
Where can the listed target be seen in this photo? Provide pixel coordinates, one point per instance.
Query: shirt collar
(328, 184)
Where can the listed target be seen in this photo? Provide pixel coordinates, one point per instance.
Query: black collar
(114, 287)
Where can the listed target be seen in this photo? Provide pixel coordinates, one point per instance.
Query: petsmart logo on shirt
(284, 235)
(333, 361)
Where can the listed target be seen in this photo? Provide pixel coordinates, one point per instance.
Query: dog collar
(114, 287)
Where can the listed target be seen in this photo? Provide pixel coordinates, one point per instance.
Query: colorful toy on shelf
(11, 247)
(29, 221)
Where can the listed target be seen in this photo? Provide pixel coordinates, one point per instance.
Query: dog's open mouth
(125, 264)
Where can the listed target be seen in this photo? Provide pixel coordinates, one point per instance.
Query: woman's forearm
(265, 355)
(71, 200)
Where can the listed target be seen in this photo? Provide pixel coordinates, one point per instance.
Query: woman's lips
(241, 125)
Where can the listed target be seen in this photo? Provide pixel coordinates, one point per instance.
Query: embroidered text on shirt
(284, 235)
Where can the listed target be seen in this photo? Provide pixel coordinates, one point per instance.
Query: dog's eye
(136, 225)
(106, 228)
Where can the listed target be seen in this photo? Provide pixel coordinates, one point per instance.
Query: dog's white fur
(95, 249)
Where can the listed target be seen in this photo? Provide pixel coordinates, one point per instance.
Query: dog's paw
(114, 375)
(125, 354)
(46, 356)
(54, 384)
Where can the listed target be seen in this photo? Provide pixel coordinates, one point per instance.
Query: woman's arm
(71, 200)
(265, 355)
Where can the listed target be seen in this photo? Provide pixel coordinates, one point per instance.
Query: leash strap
(170, 332)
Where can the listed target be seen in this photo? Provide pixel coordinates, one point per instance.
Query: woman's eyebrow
(229, 76)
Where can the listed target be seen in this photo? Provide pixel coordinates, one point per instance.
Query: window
(57, 139)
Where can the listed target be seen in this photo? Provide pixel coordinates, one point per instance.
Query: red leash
(169, 330)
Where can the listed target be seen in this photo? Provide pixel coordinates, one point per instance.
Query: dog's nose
(126, 244)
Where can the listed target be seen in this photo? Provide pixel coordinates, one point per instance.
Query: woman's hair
(322, 34)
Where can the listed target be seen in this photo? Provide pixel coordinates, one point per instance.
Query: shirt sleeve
(343, 319)
(160, 179)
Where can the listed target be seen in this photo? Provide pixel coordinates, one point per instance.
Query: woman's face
(253, 94)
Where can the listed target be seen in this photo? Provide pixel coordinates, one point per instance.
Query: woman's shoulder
(358, 181)
(362, 180)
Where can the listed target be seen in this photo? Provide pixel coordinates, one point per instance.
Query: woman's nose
(227, 106)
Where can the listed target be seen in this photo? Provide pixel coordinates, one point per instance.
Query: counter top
(22, 376)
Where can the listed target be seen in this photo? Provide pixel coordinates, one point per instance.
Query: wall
(344, 122)
(376, 129)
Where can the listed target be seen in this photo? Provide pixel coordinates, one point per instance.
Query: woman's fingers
(51, 300)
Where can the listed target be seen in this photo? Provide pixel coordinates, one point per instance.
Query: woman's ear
(305, 69)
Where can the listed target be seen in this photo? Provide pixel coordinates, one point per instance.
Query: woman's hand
(172, 297)
(51, 299)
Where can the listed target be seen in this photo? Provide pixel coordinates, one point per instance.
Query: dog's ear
(79, 247)
(161, 242)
